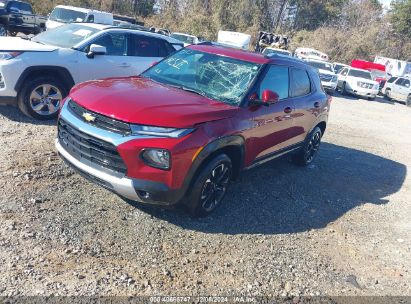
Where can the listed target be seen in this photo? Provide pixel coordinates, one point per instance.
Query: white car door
(404, 90)
(147, 50)
(115, 63)
(342, 77)
(395, 91)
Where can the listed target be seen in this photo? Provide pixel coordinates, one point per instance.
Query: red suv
(182, 130)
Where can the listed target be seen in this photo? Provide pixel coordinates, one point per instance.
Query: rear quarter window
(300, 82)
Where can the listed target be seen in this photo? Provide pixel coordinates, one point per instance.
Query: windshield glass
(360, 74)
(216, 77)
(67, 16)
(183, 38)
(66, 36)
(271, 51)
(321, 65)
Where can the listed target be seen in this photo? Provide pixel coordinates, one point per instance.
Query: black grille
(100, 121)
(85, 147)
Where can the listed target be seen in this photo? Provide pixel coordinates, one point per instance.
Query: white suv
(357, 82)
(398, 88)
(327, 74)
(37, 74)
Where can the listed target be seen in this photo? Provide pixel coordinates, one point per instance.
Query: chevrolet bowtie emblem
(88, 117)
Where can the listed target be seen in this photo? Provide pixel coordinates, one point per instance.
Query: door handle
(288, 110)
(317, 104)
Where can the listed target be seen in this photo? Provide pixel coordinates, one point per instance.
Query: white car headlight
(9, 55)
(159, 131)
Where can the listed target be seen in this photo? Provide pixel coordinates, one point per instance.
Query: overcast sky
(386, 2)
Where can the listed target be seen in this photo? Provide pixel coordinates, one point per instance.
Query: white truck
(63, 14)
(234, 39)
(395, 67)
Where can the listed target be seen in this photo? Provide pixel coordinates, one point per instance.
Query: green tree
(401, 17)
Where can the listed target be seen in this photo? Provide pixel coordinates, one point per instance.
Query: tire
(207, 194)
(387, 94)
(3, 31)
(306, 155)
(13, 34)
(344, 90)
(41, 98)
(408, 102)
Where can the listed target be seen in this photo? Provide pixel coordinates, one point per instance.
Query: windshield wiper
(198, 92)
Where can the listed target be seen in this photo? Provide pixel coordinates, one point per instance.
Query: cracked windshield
(211, 75)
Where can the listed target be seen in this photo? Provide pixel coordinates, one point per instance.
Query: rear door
(395, 92)
(307, 101)
(146, 50)
(404, 90)
(342, 77)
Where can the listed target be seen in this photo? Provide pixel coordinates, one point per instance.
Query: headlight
(334, 79)
(159, 132)
(9, 55)
(157, 158)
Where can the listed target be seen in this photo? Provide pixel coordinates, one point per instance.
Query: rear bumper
(139, 190)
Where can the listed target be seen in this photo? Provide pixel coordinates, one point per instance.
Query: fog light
(157, 158)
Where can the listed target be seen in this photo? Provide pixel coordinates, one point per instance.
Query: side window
(392, 79)
(406, 83)
(116, 43)
(300, 83)
(344, 72)
(144, 46)
(399, 81)
(90, 19)
(276, 80)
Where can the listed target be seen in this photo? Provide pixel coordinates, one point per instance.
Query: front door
(271, 130)
(115, 63)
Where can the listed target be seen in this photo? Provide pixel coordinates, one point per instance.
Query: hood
(141, 101)
(326, 72)
(22, 45)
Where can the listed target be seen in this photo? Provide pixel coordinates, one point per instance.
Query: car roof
(356, 69)
(74, 8)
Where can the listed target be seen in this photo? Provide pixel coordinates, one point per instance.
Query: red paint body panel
(141, 101)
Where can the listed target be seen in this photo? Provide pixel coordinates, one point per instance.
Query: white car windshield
(321, 65)
(64, 15)
(184, 38)
(217, 77)
(66, 36)
(360, 74)
(271, 51)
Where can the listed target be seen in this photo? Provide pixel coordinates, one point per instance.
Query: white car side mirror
(96, 49)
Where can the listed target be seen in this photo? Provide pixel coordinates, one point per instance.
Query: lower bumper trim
(8, 100)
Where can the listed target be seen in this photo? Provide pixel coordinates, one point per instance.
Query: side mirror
(268, 97)
(96, 50)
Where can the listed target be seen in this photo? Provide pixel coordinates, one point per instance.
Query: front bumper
(329, 86)
(363, 92)
(10, 71)
(136, 189)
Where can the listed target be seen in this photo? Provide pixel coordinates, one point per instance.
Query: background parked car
(270, 50)
(18, 16)
(307, 53)
(62, 14)
(38, 74)
(327, 74)
(234, 39)
(185, 38)
(338, 67)
(398, 89)
(357, 82)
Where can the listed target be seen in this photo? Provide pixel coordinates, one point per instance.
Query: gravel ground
(340, 227)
